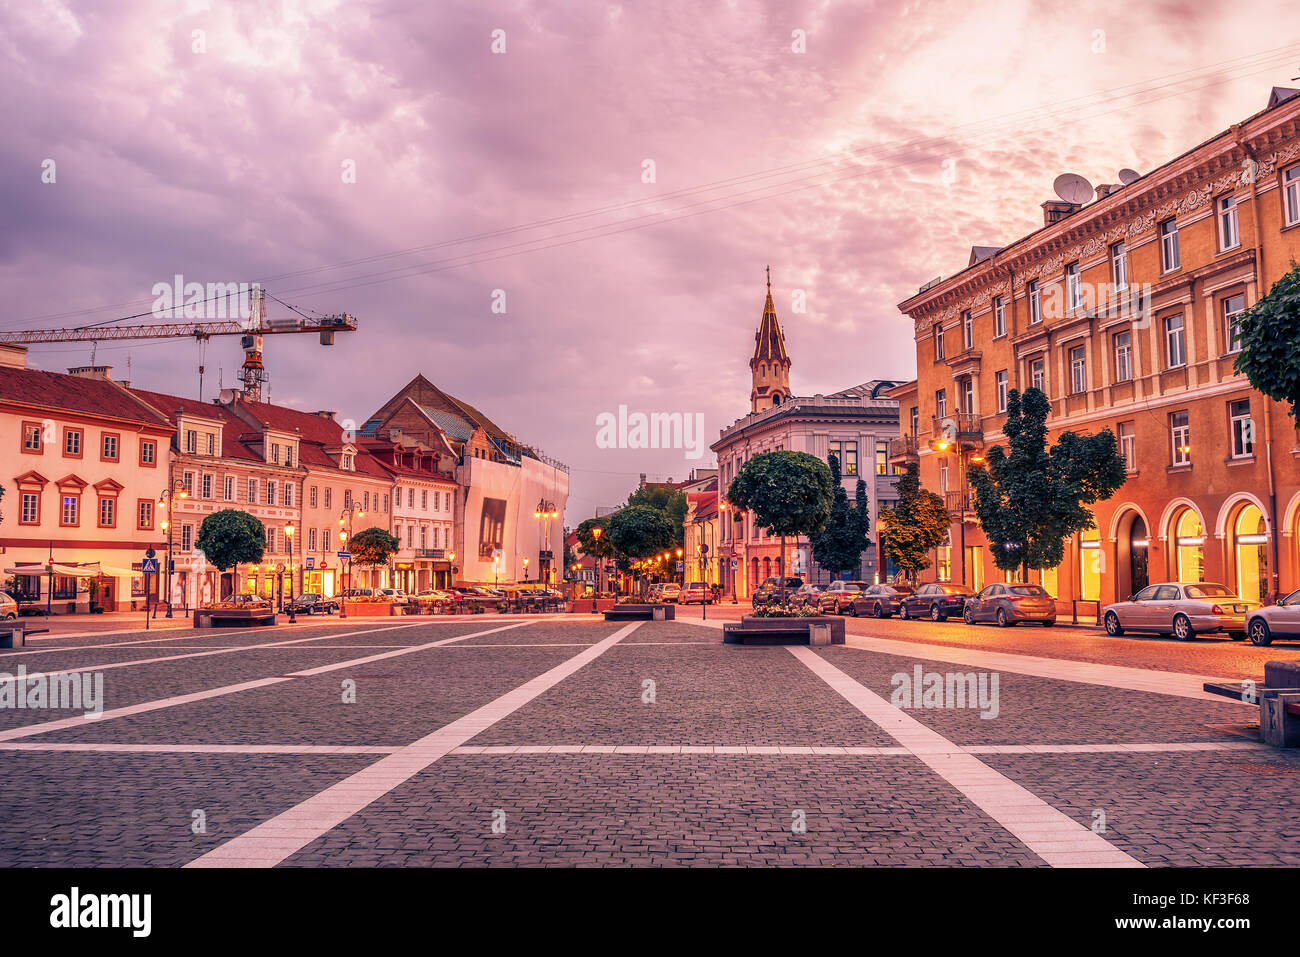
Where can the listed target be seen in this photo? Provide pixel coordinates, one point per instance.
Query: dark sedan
(310, 603)
(937, 601)
(881, 601)
(1009, 604)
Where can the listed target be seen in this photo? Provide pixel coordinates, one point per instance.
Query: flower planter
(368, 609)
(639, 612)
(753, 630)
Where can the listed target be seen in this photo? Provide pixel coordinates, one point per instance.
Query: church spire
(770, 364)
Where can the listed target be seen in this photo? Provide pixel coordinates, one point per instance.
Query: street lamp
(177, 490)
(345, 534)
(545, 511)
(288, 533)
(525, 569)
(596, 532)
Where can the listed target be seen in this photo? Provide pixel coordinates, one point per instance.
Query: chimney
(1105, 189)
(92, 372)
(12, 357)
(325, 415)
(1055, 210)
(642, 482)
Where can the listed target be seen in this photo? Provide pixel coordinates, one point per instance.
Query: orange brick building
(1122, 310)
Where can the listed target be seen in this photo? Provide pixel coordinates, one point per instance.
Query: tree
(637, 532)
(789, 493)
(1031, 499)
(373, 546)
(598, 546)
(915, 526)
(1270, 341)
(671, 501)
(229, 538)
(839, 546)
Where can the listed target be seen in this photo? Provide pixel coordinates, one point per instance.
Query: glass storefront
(1091, 564)
(1250, 544)
(1189, 546)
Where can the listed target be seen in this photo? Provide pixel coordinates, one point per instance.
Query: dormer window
(345, 462)
(275, 453)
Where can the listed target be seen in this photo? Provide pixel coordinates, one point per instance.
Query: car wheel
(1236, 635)
(853, 609)
(1259, 633)
(1182, 628)
(967, 617)
(1002, 618)
(1113, 627)
(936, 614)
(10, 617)
(1049, 623)
(903, 613)
(879, 610)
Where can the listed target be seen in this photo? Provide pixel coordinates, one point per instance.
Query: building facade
(1123, 311)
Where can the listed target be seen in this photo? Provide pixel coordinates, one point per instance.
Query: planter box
(368, 609)
(581, 605)
(752, 630)
(630, 612)
(233, 617)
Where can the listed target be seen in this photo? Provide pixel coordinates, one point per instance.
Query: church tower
(770, 366)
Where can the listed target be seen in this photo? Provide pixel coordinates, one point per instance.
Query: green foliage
(839, 546)
(231, 537)
(591, 545)
(1031, 499)
(914, 527)
(373, 546)
(788, 493)
(1270, 341)
(670, 501)
(639, 531)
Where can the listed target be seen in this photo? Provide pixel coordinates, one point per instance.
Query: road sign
(681, 566)
(344, 554)
(150, 553)
(735, 563)
(149, 566)
(311, 563)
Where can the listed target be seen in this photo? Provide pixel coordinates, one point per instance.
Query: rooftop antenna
(1073, 188)
(1127, 175)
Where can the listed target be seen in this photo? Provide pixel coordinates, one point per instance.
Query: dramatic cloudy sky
(859, 169)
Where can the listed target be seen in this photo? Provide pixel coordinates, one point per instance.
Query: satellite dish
(1072, 188)
(1127, 176)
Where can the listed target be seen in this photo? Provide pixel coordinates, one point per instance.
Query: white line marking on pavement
(160, 703)
(109, 748)
(1055, 837)
(274, 840)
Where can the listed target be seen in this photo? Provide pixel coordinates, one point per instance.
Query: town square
(853, 444)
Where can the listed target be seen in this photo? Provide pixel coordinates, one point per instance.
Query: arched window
(1250, 549)
(1091, 564)
(1189, 546)
(776, 398)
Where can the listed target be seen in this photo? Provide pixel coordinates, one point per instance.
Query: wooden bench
(1278, 699)
(15, 635)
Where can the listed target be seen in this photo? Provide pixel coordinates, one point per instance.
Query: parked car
(837, 598)
(311, 603)
(1274, 621)
(935, 600)
(1181, 609)
(881, 601)
(358, 593)
(654, 592)
(251, 601)
(8, 607)
(770, 590)
(670, 591)
(435, 596)
(696, 593)
(1011, 603)
(395, 595)
(807, 595)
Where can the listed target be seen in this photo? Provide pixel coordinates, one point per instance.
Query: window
(311, 539)
(30, 511)
(410, 536)
(365, 501)
(72, 442)
(941, 403)
(328, 495)
(1243, 430)
(1181, 433)
(916, 420)
(275, 452)
(882, 457)
(1291, 195)
(410, 498)
(187, 537)
(191, 441)
(1038, 375)
(108, 447)
(1128, 445)
(447, 495)
(288, 495)
(1073, 287)
(1119, 266)
(1078, 370)
(207, 485)
(228, 489)
(32, 437)
(835, 449)
(424, 500)
(938, 342)
(107, 512)
(1233, 307)
(187, 482)
(967, 395)
(1000, 379)
(288, 455)
(999, 317)
(346, 463)
(1175, 342)
(144, 514)
(252, 491)
(212, 444)
(423, 536)
(386, 503)
(1123, 356)
(850, 463)
(148, 453)
(270, 492)
(967, 330)
(312, 496)
(943, 478)
(1169, 260)
(1229, 235)
(1035, 302)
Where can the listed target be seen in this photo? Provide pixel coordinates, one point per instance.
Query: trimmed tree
(1030, 499)
(788, 493)
(1270, 341)
(229, 538)
(670, 501)
(590, 543)
(913, 528)
(638, 532)
(373, 546)
(839, 546)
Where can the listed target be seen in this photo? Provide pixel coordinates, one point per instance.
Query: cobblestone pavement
(497, 740)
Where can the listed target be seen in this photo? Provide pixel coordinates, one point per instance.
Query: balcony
(905, 448)
(965, 362)
(960, 503)
(963, 428)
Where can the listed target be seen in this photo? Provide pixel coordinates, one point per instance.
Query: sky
(555, 209)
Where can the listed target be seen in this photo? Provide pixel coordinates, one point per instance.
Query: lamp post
(288, 533)
(175, 490)
(525, 569)
(596, 532)
(545, 511)
(345, 535)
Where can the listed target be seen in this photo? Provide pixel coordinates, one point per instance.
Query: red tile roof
(60, 392)
(233, 427)
(316, 433)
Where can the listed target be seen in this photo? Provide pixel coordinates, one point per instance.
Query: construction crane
(251, 331)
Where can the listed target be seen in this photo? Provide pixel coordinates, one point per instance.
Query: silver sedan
(1181, 609)
(1275, 621)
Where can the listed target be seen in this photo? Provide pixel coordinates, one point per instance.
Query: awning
(86, 570)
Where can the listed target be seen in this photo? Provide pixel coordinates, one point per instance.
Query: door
(1162, 607)
(1140, 612)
